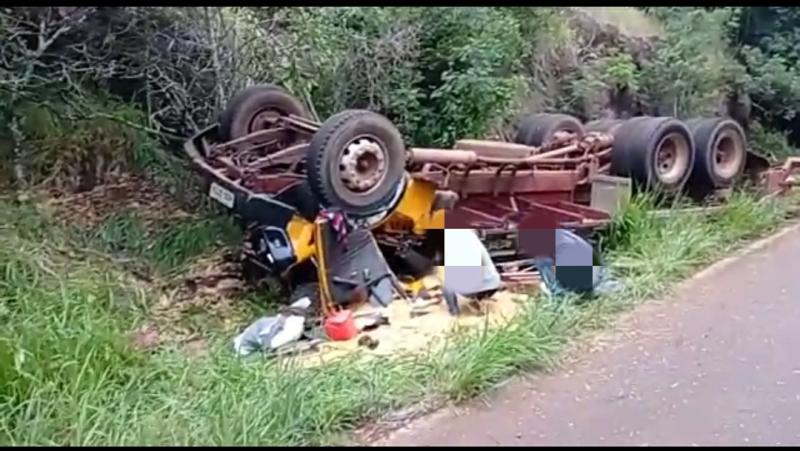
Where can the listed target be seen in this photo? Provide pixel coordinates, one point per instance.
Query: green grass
(68, 375)
(168, 245)
(165, 246)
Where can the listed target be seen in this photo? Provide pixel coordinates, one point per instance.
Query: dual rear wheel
(658, 153)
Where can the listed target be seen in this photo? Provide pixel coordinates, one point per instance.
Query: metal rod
(448, 156)
(290, 154)
(255, 139)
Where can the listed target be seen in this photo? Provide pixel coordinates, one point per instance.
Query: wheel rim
(672, 158)
(264, 119)
(362, 165)
(727, 154)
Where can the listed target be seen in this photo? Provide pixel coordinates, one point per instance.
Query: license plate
(221, 195)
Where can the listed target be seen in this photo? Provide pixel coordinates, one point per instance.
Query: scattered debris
(411, 332)
(370, 321)
(272, 332)
(368, 342)
(299, 347)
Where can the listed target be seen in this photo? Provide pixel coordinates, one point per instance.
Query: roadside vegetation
(100, 221)
(70, 374)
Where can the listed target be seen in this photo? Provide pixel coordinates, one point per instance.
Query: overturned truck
(344, 211)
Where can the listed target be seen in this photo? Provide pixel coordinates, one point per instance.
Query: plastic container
(341, 326)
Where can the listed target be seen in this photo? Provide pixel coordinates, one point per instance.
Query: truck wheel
(356, 162)
(720, 152)
(253, 108)
(539, 129)
(656, 152)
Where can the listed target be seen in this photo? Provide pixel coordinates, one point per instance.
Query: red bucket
(340, 326)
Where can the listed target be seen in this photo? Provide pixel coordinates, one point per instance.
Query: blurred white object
(271, 332)
(462, 247)
(468, 267)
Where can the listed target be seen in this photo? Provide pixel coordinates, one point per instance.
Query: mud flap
(353, 262)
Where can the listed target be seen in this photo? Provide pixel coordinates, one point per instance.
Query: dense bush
(605, 86)
(438, 73)
(690, 73)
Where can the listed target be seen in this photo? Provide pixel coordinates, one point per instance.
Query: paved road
(717, 365)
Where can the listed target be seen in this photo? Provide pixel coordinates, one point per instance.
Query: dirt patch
(409, 332)
(146, 337)
(126, 193)
(208, 300)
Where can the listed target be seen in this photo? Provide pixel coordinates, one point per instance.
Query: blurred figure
(572, 267)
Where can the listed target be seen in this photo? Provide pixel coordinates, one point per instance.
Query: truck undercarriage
(302, 187)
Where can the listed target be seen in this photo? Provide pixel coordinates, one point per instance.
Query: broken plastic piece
(371, 321)
(368, 341)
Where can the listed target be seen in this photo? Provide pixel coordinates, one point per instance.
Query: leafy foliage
(438, 73)
(602, 79)
(773, 144)
(769, 38)
(682, 81)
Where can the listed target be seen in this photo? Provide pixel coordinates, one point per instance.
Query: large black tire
(538, 129)
(245, 113)
(603, 125)
(356, 147)
(657, 153)
(720, 152)
(620, 160)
